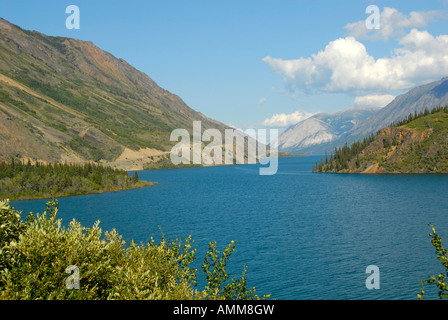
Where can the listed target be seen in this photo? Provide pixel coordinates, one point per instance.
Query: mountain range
(63, 99)
(324, 132)
(417, 144)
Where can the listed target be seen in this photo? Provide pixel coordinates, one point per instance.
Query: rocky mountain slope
(417, 145)
(322, 131)
(319, 134)
(428, 96)
(64, 99)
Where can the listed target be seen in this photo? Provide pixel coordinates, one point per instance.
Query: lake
(302, 235)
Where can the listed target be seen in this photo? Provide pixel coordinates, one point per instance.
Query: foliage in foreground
(441, 280)
(35, 253)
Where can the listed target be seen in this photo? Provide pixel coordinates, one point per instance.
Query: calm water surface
(301, 235)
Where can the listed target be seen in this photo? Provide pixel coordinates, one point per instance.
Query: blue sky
(252, 63)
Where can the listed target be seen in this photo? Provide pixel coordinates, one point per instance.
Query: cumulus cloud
(345, 66)
(392, 24)
(262, 100)
(373, 100)
(286, 120)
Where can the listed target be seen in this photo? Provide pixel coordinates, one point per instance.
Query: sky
(261, 63)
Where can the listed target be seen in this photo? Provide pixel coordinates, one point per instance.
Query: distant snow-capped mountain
(316, 134)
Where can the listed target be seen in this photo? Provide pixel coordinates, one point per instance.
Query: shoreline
(188, 166)
(139, 185)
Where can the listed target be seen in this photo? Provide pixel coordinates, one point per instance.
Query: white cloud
(373, 100)
(286, 120)
(345, 66)
(393, 24)
(262, 100)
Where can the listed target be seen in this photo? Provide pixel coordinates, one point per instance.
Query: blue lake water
(301, 235)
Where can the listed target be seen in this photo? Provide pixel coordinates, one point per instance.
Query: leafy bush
(441, 280)
(35, 254)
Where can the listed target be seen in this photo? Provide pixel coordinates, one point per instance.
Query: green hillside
(63, 99)
(417, 144)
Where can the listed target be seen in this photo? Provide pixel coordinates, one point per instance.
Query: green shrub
(35, 254)
(441, 280)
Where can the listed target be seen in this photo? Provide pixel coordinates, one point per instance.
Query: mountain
(418, 144)
(322, 131)
(64, 99)
(319, 134)
(416, 100)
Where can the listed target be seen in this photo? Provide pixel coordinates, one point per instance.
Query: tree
(20, 180)
(441, 280)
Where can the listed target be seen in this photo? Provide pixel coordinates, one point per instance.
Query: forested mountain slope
(417, 144)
